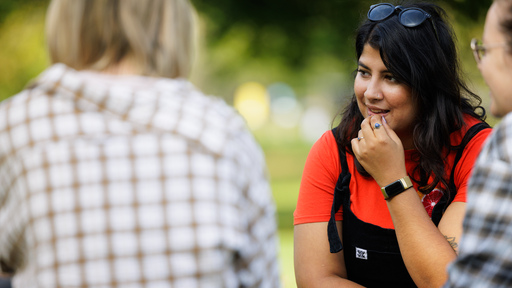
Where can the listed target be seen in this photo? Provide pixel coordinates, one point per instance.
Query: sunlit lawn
(285, 155)
(286, 258)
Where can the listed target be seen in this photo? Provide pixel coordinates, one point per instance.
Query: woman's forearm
(425, 250)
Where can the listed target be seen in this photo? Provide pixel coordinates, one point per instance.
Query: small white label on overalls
(361, 254)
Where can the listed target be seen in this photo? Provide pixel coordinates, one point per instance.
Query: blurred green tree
(7, 6)
(303, 28)
(22, 53)
(308, 44)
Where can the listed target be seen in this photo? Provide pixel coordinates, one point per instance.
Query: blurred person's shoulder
(196, 104)
(502, 134)
(16, 109)
(205, 118)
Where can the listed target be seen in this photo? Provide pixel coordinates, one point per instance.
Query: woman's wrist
(391, 190)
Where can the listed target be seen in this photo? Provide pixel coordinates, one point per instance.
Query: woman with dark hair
(386, 189)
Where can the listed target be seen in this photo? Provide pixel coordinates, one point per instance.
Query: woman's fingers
(379, 151)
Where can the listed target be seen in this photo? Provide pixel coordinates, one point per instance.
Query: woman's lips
(377, 111)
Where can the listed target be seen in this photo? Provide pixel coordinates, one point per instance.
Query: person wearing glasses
(485, 251)
(115, 171)
(383, 194)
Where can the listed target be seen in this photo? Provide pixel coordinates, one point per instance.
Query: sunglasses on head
(408, 17)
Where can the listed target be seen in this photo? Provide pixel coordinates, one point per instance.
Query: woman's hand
(380, 151)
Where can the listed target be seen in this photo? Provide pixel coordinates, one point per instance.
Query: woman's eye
(362, 72)
(391, 78)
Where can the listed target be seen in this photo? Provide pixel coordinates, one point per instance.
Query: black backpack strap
(447, 198)
(342, 186)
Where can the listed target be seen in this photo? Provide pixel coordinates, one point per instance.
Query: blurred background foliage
(285, 65)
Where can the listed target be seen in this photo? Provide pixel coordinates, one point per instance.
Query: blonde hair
(157, 36)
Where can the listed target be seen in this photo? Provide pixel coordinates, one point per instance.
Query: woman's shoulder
(470, 122)
(324, 153)
(326, 144)
(327, 139)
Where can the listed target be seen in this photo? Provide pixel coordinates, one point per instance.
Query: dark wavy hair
(430, 67)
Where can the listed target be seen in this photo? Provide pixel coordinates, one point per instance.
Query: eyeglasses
(479, 50)
(408, 17)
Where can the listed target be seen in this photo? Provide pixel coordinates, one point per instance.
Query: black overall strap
(341, 186)
(437, 212)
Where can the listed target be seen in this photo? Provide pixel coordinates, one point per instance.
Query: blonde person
(485, 255)
(383, 195)
(116, 172)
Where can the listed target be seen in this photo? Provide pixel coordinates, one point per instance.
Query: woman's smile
(376, 111)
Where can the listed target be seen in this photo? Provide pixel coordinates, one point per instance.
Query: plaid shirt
(485, 251)
(129, 181)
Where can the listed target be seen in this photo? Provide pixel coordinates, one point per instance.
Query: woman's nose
(373, 90)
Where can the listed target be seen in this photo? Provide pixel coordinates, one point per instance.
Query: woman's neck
(124, 67)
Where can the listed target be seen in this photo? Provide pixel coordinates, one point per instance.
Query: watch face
(394, 188)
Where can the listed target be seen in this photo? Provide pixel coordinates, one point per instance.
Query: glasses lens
(477, 48)
(380, 11)
(481, 51)
(412, 17)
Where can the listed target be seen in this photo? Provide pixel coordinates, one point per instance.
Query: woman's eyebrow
(359, 63)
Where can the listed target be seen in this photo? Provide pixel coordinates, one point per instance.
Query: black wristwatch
(396, 187)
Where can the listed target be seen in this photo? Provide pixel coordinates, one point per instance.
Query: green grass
(285, 164)
(285, 195)
(286, 258)
(285, 160)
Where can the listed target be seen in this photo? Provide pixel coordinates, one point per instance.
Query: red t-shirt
(323, 168)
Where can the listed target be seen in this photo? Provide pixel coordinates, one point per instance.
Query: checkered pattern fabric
(485, 251)
(129, 181)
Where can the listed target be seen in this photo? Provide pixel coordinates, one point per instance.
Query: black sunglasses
(409, 17)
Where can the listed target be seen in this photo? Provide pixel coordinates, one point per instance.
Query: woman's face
(379, 93)
(496, 65)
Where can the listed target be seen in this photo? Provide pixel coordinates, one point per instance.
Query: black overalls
(372, 255)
